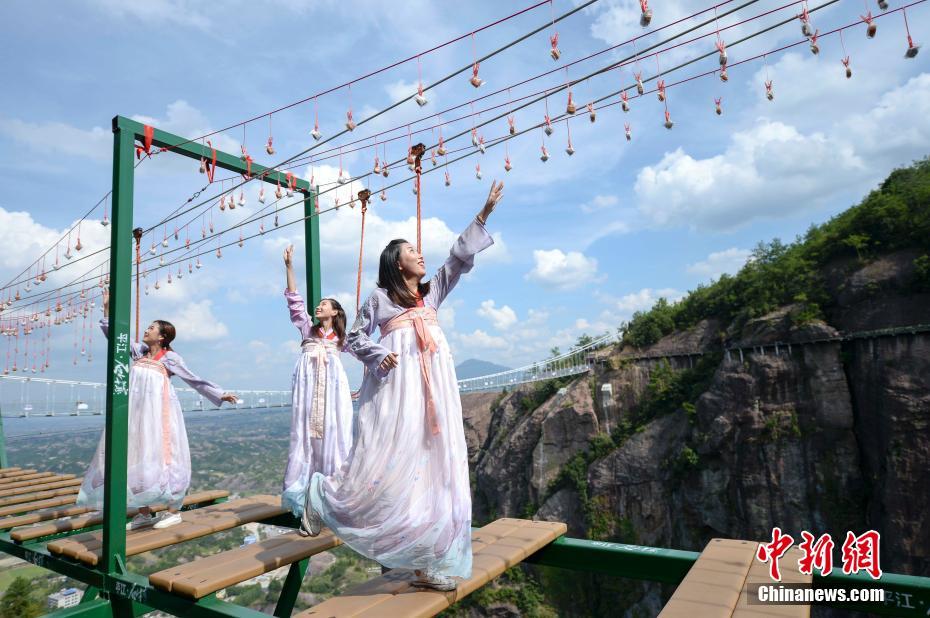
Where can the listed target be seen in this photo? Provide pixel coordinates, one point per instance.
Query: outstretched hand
(229, 398)
(288, 254)
(494, 196)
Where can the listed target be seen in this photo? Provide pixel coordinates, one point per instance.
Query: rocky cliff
(827, 436)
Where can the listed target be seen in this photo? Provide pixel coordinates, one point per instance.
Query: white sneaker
(168, 520)
(141, 520)
(429, 579)
(311, 524)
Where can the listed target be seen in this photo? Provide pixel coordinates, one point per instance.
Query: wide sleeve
(298, 311)
(461, 259)
(136, 350)
(359, 342)
(175, 366)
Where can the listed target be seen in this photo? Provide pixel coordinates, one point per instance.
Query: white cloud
(727, 261)
(60, 138)
(174, 12)
(480, 340)
(639, 301)
(401, 89)
(600, 202)
(501, 317)
(563, 271)
(767, 170)
(196, 322)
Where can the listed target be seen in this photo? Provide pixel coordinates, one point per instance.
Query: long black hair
(339, 321)
(390, 278)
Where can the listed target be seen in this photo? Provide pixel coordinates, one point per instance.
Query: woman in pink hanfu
(321, 402)
(403, 496)
(158, 462)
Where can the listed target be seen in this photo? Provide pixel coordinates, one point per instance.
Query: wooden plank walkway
(52, 482)
(88, 547)
(497, 547)
(95, 518)
(199, 578)
(716, 586)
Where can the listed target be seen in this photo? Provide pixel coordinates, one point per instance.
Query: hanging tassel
(629, 133)
(448, 180)
(420, 98)
(383, 195)
(769, 93)
(870, 27)
(646, 17)
(640, 89)
(269, 147)
(545, 154)
(722, 48)
(570, 108)
(350, 123)
(723, 74)
(475, 80)
(441, 149)
(717, 107)
(510, 121)
(845, 62)
(660, 93)
(507, 165)
(377, 168)
(625, 101)
(548, 128)
(591, 113)
(806, 29)
(554, 51)
(261, 195)
(815, 49)
(477, 172)
(668, 121)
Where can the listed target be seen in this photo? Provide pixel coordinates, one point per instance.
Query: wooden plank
(43, 515)
(38, 495)
(713, 585)
(23, 475)
(759, 574)
(88, 547)
(95, 518)
(496, 547)
(5, 471)
(199, 578)
(51, 482)
(25, 507)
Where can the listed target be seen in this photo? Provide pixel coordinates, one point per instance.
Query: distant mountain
(472, 368)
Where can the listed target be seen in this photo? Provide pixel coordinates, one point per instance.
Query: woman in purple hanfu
(158, 461)
(321, 402)
(403, 496)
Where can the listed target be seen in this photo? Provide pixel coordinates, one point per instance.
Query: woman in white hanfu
(403, 496)
(158, 462)
(321, 402)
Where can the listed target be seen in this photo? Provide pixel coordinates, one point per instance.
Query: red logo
(860, 553)
(771, 552)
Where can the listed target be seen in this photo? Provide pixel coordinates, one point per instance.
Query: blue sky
(582, 241)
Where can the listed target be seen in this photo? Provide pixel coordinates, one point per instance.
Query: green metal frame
(112, 591)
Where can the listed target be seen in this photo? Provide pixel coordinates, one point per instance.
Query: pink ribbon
(420, 318)
(318, 349)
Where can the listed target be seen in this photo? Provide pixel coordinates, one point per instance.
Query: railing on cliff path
(582, 359)
(575, 361)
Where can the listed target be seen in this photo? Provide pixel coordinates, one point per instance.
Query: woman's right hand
(389, 362)
(288, 254)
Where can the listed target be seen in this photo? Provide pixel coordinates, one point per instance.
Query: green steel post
(312, 249)
(288, 596)
(114, 486)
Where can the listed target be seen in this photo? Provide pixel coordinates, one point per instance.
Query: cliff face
(824, 437)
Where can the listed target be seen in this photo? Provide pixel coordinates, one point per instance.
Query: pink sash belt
(420, 318)
(318, 349)
(155, 365)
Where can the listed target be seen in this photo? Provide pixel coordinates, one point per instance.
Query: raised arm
(472, 241)
(136, 349)
(298, 311)
(359, 342)
(175, 365)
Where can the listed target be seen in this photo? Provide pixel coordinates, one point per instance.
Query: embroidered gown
(158, 462)
(321, 409)
(403, 496)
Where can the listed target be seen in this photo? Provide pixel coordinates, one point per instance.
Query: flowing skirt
(158, 462)
(307, 455)
(403, 496)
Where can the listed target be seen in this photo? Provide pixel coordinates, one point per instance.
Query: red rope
(138, 262)
(419, 240)
(363, 196)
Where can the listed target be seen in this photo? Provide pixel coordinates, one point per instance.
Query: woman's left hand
(494, 196)
(229, 398)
